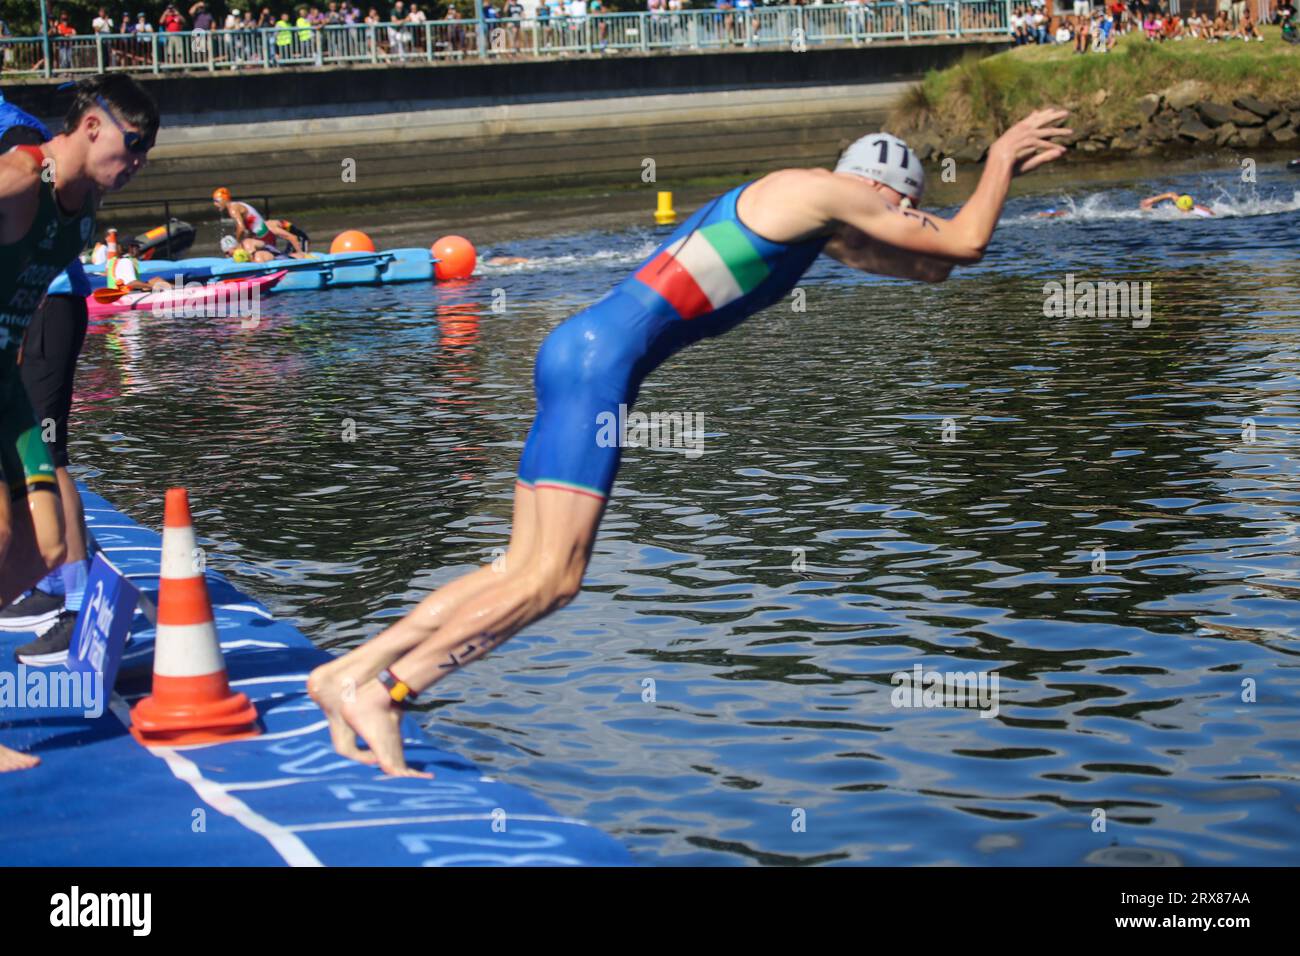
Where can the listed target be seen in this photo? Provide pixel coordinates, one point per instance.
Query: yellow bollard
(665, 215)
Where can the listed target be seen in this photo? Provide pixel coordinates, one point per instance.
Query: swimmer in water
(1182, 202)
(742, 252)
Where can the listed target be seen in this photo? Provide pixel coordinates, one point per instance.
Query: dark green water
(1103, 532)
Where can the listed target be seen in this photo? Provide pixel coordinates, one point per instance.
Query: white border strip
(291, 849)
(444, 818)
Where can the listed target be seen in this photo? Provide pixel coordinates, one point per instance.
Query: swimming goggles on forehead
(134, 142)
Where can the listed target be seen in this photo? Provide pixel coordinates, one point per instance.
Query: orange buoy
(456, 257)
(352, 240)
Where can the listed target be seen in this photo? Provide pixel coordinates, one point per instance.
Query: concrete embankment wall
(467, 128)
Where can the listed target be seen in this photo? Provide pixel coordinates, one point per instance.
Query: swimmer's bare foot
(13, 760)
(372, 715)
(331, 688)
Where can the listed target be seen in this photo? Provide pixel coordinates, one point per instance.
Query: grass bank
(980, 97)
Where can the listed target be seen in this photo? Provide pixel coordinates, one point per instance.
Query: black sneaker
(52, 646)
(31, 612)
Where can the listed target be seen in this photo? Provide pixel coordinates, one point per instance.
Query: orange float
(352, 240)
(456, 257)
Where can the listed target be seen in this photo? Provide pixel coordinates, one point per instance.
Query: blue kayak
(322, 271)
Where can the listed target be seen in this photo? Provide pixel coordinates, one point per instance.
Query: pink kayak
(230, 297)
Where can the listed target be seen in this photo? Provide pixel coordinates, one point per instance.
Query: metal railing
(197, 203)
(793, 27)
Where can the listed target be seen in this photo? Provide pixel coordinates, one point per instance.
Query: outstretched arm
(1152, 200)
(962, 239)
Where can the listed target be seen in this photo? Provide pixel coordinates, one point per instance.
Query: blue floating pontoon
(322, 271)
(99, 798)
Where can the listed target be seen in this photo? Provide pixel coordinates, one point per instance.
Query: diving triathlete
(739, 254)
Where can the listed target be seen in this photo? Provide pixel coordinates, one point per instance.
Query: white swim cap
(887, 160)
(228, 243)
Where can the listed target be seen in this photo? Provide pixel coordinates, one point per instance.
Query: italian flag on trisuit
(705, 270)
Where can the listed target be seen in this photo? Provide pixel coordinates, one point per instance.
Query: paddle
(105, 296)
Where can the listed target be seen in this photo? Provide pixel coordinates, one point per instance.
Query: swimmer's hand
(1028, 144)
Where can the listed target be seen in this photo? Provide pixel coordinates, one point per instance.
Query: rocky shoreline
(1184, 117)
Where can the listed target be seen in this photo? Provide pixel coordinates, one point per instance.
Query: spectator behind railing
(283, 39)
(171, 23)
(544, 22)
(7, 58)
(419, 32)
(332, 20)
(101, 26)
(203, 24)
(201, 16)
(66, 32)
(371, 23)
(303, 46)
(397, 32)
(456, 35)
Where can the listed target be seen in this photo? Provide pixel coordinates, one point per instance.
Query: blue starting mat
(99, 798)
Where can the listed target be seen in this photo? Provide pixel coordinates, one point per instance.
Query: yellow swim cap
(241, 255)
(1184, 203)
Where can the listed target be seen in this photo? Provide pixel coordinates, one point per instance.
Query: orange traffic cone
(192, 703)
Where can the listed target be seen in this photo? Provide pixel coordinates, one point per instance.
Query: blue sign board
(103, 623)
